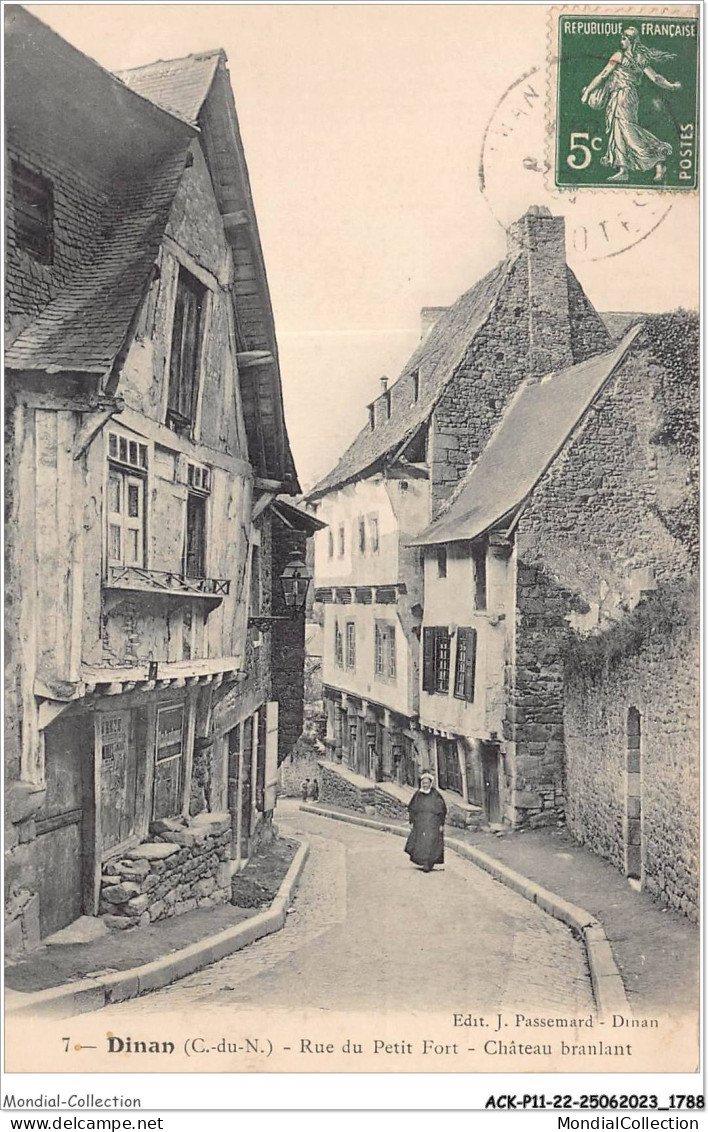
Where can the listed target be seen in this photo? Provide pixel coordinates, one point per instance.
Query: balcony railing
(164, 581)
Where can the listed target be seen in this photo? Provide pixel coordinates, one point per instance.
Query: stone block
(137, 905)
(205, 887)
(157, 910)
(526, 800)
(167, 825)
(120, 893)
(151, 882)
(205, 902)
(118, 923)
(154, 851)
(131, 870)
(185, 906)
(214, 824)
(109, 880)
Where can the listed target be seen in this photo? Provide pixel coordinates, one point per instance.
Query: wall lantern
(295, 582)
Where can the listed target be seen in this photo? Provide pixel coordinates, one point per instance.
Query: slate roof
(438, 356)
(534, 428)
(85, 327)
(177, 85)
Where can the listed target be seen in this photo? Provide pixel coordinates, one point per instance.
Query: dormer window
(187, 333)
(33, 206)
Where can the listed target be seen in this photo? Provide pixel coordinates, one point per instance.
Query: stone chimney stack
(384, 384)
(541, 239)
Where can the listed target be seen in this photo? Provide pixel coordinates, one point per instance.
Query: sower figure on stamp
(616, 91)
(427, 810)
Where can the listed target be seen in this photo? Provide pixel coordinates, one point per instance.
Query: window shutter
(470, 664)
(429, 660)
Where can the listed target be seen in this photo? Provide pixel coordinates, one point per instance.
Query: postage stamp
(627, 101)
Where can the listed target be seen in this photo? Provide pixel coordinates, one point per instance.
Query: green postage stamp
(627, 101)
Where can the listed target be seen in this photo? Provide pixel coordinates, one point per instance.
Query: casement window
(338, 646)
(169, 760)
(465, 664)
(340, 540)
(198, 482)
(330, 544)
(33, 207)
(436, 660)
(441, 557)
(374, 534)
(385, 650)
(187, 333)
(351, 644)
(362, 536)
(125, 501)
(479, 557)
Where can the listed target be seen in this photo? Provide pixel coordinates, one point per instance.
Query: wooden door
(60, 826)
(234, 751)
(490, 776)
(119, 778)
(246, 785)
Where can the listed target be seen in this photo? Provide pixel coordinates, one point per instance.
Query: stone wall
(541, 321)
(610, 519)
(659, 681)
(339, 791)
(183, 867)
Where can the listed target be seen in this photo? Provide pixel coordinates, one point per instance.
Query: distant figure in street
(426, 813)
(305, 789)
(315, 791)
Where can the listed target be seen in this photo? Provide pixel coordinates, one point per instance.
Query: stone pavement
(656, 949)
(372, 933)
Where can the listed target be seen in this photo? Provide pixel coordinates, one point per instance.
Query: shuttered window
(466, 664)
(351, 644)
(338, 646)
(385, 649)
(436, 660)
(187, 331)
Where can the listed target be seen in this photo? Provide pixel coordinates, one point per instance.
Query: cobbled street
(368, 930)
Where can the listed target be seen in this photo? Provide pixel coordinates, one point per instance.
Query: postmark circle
(515, 172)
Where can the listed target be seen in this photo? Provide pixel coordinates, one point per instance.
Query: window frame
(182, 390)
(338, 645)
(436, 660)
(441, 561)
(350, 646)
(385, 650)
(465, 664)
(127, 462)
(374, 534)
(361, 535)
(341, 540)
(330, 543)
(33, 219)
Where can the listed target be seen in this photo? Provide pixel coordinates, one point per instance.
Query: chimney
(540, 237)
(384, 384)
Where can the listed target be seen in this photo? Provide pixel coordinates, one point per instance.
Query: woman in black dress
(426, 813)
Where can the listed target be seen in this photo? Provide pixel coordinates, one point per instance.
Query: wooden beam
(235, 219)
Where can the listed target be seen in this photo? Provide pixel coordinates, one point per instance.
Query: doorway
(490, 782)
(63, 841)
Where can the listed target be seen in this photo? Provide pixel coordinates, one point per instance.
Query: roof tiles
(177, 85)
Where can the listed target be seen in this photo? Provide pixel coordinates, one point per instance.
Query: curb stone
(607, 984)
(85, 995)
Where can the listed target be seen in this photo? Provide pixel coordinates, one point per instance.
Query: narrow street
(369, 931)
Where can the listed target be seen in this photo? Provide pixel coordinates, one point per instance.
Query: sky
(363, 127)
